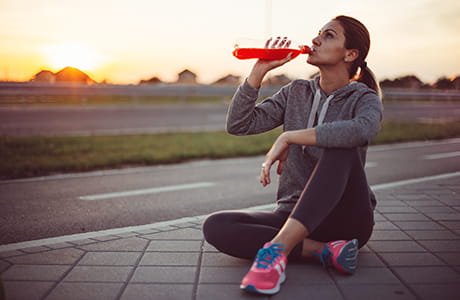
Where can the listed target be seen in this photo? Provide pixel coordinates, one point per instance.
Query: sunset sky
(125, 41)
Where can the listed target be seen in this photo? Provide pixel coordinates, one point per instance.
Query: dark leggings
(335, 205)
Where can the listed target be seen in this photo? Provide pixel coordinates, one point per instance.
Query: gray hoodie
(347, 118)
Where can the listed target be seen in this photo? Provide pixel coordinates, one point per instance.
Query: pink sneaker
(343, 255)
(267, 272)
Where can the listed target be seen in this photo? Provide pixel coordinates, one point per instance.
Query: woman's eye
(329, 35)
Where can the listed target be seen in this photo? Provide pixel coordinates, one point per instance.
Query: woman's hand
(278, 152)
(262, 67)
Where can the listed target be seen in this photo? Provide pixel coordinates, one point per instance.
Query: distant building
(67, 74)
(44, 76)
(228, 80)
(187, 77)
(153, 80)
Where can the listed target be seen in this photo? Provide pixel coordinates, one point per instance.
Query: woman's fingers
(265, 174)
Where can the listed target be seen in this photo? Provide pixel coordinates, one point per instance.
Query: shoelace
(266, 256)
(324, 256)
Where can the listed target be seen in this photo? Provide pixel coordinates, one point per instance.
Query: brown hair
(357, 37)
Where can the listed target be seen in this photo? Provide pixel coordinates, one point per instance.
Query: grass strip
(37, 156)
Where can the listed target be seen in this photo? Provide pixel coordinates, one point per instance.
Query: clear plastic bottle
(271, 49)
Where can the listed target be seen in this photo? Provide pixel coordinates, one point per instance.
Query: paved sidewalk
(414, 253)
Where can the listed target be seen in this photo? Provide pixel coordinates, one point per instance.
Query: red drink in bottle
(269, 53)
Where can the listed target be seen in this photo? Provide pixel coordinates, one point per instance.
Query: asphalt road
(136, 119)
(67, 204)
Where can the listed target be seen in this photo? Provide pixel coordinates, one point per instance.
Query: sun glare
(79, 56)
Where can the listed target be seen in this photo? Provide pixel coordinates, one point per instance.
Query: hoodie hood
(321, 101)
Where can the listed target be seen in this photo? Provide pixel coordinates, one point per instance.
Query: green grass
(35, 156)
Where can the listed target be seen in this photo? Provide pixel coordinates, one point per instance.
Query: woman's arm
(279, 150)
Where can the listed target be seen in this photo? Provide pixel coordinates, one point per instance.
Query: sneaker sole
(252, 289)
(347, 259)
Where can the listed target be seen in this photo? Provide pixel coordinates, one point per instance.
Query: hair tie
(363, 64)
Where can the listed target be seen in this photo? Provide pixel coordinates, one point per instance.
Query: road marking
(170, 188)
(442, 155)
(370, 164)
(195, 219)
(412, 181)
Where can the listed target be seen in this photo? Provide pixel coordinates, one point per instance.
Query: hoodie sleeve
(359, 131)
(245, 117)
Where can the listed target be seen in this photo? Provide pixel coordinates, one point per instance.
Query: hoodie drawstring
(314, 110)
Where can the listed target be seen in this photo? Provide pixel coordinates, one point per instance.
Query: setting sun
(79, 56)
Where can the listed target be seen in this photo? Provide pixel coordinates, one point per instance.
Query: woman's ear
(351, 55)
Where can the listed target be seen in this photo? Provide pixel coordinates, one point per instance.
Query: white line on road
(411, 181)
(115, 231)
(442, 155)
(156, 190)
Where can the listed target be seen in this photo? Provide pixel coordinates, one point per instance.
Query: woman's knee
(214, 226)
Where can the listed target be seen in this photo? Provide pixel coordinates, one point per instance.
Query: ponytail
(367, 77)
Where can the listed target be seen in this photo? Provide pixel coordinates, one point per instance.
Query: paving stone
(83, 242)
(60, 245)
(428, 274)
(377, 292)
(418, 225)
(311, 273)
(444, 216)
(35, 249)
(66, 256)
(147, 231)
(158, 291)
(222, 274)
(442, 245)
(127, 234)
(98, 274)
(411, 259)
(164, 274)
(30, 290)
(178, 234)
(369, 260)
(451, 258)
(432, 235)
(110, 258)
(35, 272)
(169, 259)
(436, 209)
(124, 244)
(366, 276)
(209, 248)
(406, 217)
(85, 291)
(422, 203)
(220, 259)
(454, 225)
(106, 238)
(389, 235)
(381, 203)
(11, 253)
(395, 246)
(302, 292)
(167, 245)
(437, 291)
(225, 292)
(396, 209)
(385, 225)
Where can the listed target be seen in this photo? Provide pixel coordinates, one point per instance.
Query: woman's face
(329, 46)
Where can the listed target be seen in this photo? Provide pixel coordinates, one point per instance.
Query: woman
(325, 206)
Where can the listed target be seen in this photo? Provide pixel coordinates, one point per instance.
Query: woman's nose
(316, 41)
